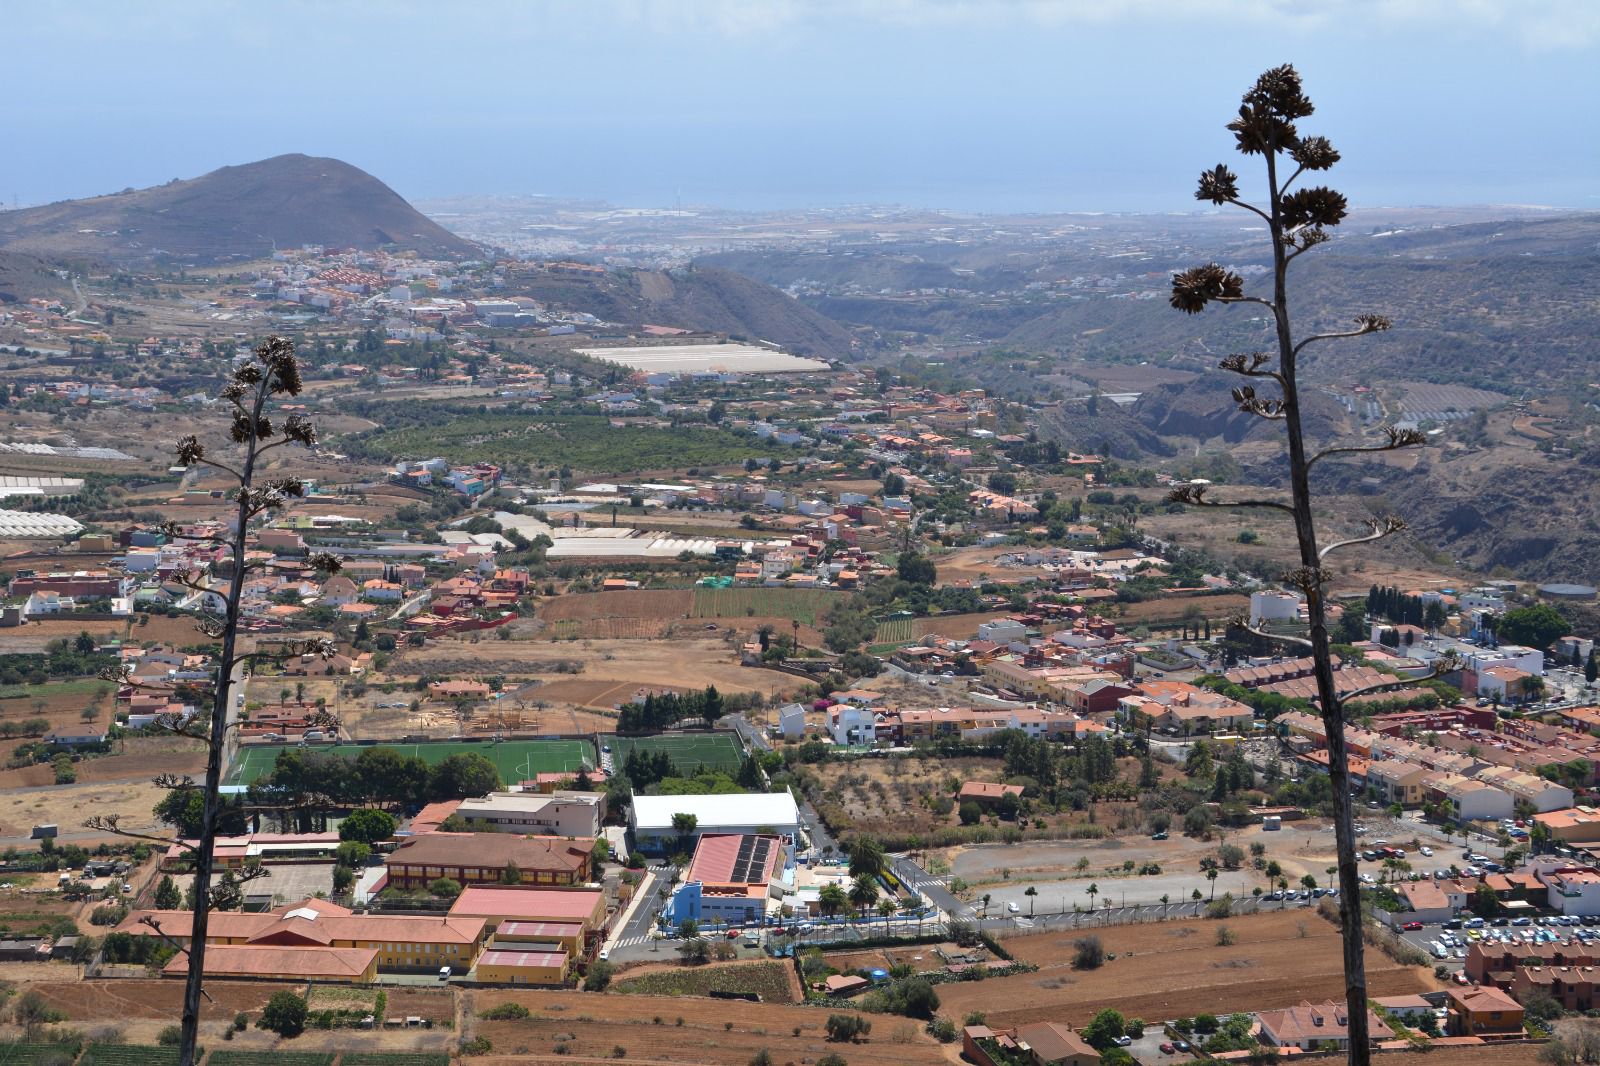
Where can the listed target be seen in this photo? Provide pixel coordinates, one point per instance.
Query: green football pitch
(517, 760)
(718, 751)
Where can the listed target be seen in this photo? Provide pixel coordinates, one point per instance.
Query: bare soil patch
(1175, 969)
(629, 603)
(711, 1033)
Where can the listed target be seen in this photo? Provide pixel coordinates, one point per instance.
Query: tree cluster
(379, 775)
(662, 711)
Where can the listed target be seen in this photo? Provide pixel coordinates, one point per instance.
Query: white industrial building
(650, 818)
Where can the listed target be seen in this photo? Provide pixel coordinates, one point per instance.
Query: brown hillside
(239, 212)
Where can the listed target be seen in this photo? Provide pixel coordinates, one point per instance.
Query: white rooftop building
(650, 818)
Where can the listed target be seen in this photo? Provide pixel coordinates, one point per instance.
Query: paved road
(933, 889)
(635, 932)
(821, 841)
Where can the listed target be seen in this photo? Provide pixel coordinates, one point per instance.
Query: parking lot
(1527, 930)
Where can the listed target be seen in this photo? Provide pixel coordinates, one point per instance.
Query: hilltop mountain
(696, 297)
(240, 212)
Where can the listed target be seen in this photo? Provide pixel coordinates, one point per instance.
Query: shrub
(843, 1027)
(171, 1036)
(1224, 936)
(832, 1058)
(943, 1030)
(1088, 953)
(108, 913)
(599, 976)
(241, 1021)
(32, 1010)
(505, 1012)
(285, 1014)
(478, 1045)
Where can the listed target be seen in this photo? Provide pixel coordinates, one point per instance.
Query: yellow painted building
(500, 966)
(397, 942)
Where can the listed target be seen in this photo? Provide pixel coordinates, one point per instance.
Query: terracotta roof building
(1312, 1025)
(482, 858)
(397, 942)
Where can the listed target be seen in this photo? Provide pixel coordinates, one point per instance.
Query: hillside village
(628, 660)
(757, 724)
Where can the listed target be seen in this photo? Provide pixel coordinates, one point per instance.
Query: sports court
(717, 751)
(517, 760)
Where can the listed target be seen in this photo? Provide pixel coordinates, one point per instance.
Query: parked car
(1167, 1048)
(1426, 851)
(1411, 926)
(1123, 1041)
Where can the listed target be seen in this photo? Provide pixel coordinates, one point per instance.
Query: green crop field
(395, 1058)
(271, 1058)
(806, 606)
(128, 1055)
(585, 442)
(895, 631)
(716, 751)
(767, 979)
(517, 760)
(37, 1054)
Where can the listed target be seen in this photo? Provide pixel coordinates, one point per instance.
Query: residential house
(1311, 1026)
(986, 793)
(1485, 1012)
(1398, 782)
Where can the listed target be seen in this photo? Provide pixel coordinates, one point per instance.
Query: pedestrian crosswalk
(630, 941)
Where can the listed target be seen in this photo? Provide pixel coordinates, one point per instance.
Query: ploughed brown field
(627, 603)
(592, 1025)
(134, 998)
(1175, 969)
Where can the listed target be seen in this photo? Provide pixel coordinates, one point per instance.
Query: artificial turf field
(517, 760)
(717, 751)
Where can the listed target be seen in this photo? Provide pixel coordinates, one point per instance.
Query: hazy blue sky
(990, 106)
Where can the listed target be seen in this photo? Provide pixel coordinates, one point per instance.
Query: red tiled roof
(227, 960)
(527, 904)
(497, 957)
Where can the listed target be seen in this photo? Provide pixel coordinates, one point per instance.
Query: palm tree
(863, 893)
(1332, 872)
(1093, 890)
(886, 907)
(1164, 897)
(1211, 875)
(986, 904)
(1031, 893)
(831, 899)
(866, 857)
